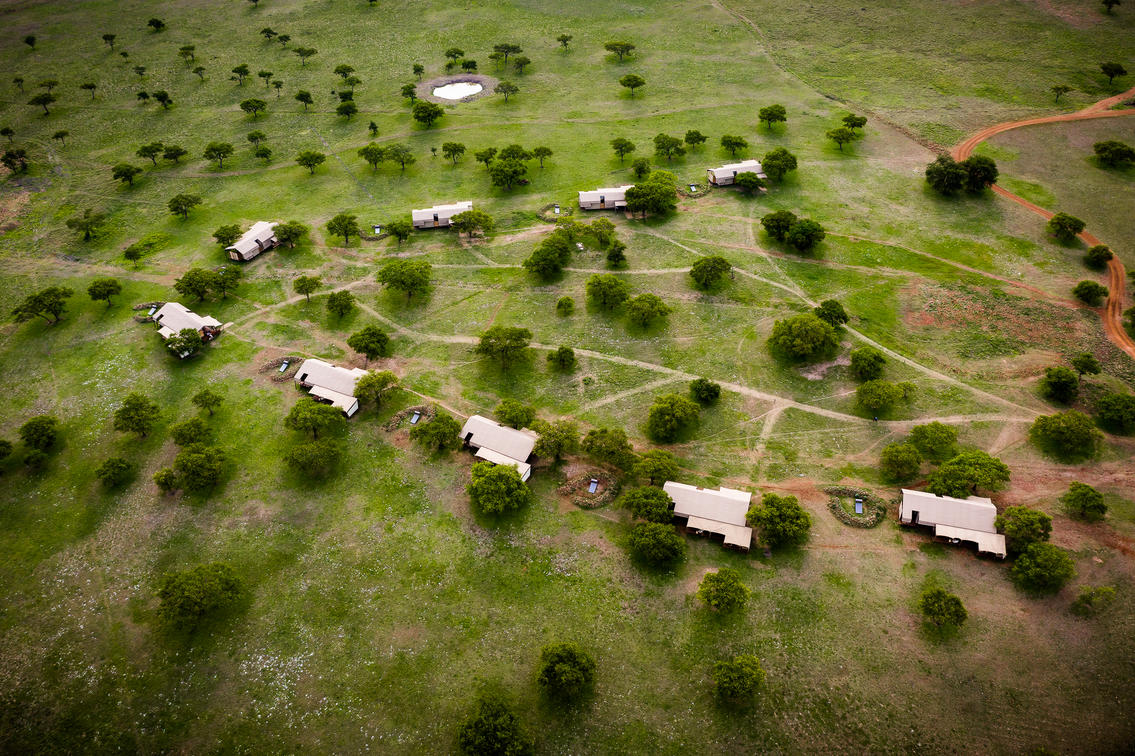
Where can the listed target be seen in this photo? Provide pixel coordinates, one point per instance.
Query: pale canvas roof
(975, 513)
(611, 193)
(337, 399)
(497, 458)
(989, 543)
(515, 444)
(261, 230)
(443, 211)
(745, 166)
(174, 317)
(339, 380)
(721, 511)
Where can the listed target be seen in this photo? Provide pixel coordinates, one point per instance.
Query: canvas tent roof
(611, 194)
(174, 317)
(989, 543)
(497, 458)
(515, 444)
(320, 374)
(722, 511)
(443, 212)
(975, 513)
(745, 166)
(343, 401)
(261, 231)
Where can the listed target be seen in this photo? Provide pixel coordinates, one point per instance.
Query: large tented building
(260, 238)
(721, 512)
(439, 215)
(956, 520)
(331, 383)
(173, 317)
(614, 197)
(500, 444)
(727, 174)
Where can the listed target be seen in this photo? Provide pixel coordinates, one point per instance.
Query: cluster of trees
(202, 282)
(1069, 436)
(657, 194)
(40, 436)
(959, 473)
(1114, 154)
(947, 176)
(802, 234)
(936, 442)
(609, 292)
(849, 131)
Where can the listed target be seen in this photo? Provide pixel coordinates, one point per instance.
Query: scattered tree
(805, 234)
(853, 122)
(506, 344)
(1112, 71)
(564, 40)
(646, 309)
(777, 224)
(340, 303)
(1114, 154)
(1042, 568)
(781, 520)
(803, 337)
(186, 598)
(773, 114)
(1023, 527)
(181, 204)
(515, 414)
(630, 81)
(567, 672)
(777, 163)
(409, 276)
(310, 415)
(102, 289)
(39, 432)
(174, 153)
(607, 290)
(723, 591)
(136, 415)
(304, 97)
(942, 610)
(400, 153)
(1090, 293)
(346, 110)
(438, 434)
(207, 399)
(1065, 227)
(1059, 90)
(610, 446)
(493, 728)
(622, 147)
(695, 139)
(556, 439)
(841, 136)
(562, 359)
(218, 151)
(156, 24)
(373, 387)
(472, 220)
(87, 224)
(937, 441)
(565, 306)
(497, 489)
(649, 503)
(831, 312)
(704, 391)
(737, 680)
(867, 363)
(42, 100)
(656, 544)
(900, 461)
(311, 160)
(49, 304)
(191, 431)
(1116, 412)
(622, 49)
(1060, 385)
(371, 342)
(749, 183)
(965, 473)
(1098, 257)
(114, 472)
(426, 113)
(1068, 436)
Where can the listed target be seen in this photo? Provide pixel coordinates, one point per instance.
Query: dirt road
(1112, 313)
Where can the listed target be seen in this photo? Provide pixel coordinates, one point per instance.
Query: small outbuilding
(956, 520)
(260, 238)
(500, 444)
(331, 384)
(438, 216)
(727, 174)
(173, 317)
(611, 198)
(721, 512)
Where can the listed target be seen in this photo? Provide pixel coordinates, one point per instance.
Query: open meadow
(377, 603)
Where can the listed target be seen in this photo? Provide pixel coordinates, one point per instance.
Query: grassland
(378, 604)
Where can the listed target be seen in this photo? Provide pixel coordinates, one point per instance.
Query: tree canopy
(408, 276)
(497, 489)
(803, 337)
(780, 519)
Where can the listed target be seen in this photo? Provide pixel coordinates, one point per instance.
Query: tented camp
(499, 444)
(721, 512)
(260, 238)
(727, 174)
(440, 215)
(956, 520)
(172, 318)
(331, 384)
(614, 197)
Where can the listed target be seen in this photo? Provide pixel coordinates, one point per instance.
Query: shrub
(781, 520)
(1084, 502)
(723, 590)
(1065, 227)
(900, 462)
(562, 359)
(704, 391)
(1060, 384)
(191, 431)
(737, 679)
(657, 544)
(707, 272)
(1068, 436)
(1116, 413)
(1042, 568)
(565, 306)
(40, 432)
(1098, 257)
(35, 460)
(567, 672)
(514, 414)
(187, 597)
(941, 609)
(114, 472)
(1091, 601)
(493, 728)
(199, 467)
(166, 480)
(803, 337)
(1023, 527)
(439, 434)
(1090, 293)
(496, 489)
(650, 504)
(867, 363)
(670, 415)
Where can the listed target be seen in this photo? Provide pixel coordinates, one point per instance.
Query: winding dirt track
(1112, 314)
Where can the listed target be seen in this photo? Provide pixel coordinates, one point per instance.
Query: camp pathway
(1112, 314)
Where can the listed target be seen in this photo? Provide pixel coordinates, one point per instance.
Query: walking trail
(1112, 313)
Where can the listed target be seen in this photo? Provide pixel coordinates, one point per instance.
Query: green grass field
(377, 603)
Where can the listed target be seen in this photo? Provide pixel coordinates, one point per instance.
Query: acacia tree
(632, 82)
(181, 204)
(409, 276)
(345, 225)
(506, 344)
(49, 304)
(87, 224)
(218, 151)
(506, 89)
(621, 49)
(307, 285)
(772, 114)
(371, 342)
(311, 160)
(104, 289)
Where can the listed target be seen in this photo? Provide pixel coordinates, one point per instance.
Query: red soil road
(1112, 315)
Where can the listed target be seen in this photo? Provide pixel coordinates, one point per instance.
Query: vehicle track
(1112, 313)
